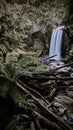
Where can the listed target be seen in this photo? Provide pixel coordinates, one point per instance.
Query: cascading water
(55, 50)
(56, 42)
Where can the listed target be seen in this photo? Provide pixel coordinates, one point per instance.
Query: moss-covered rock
(25, 26)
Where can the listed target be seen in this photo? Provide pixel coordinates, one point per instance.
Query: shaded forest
(34, 93)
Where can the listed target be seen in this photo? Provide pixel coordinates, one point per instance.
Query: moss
(19, 29)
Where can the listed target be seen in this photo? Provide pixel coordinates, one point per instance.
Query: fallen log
(46, 121)
(55, 118)
(46, 58)
(37, 94)
(52, 71)
(44, 77)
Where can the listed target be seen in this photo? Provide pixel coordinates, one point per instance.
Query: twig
(51, 95)
(46, 58)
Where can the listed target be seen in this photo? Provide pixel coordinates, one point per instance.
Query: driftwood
(52, 71)
(46, 58)
(46, 121)
(37, 94)
(42, 81)
(55, 118)
(50, 118)
(44, 77)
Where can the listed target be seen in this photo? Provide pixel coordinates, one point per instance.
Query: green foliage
(17, 96)
(18, 1)
(38, 2)
(21, 120)
(4, 87)
(8, 38)
(70, 56)
(71, 6)
(19, 64)
(28, 105)
(18, 122)
(24, 105)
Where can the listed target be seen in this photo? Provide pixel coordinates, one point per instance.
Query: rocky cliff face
(25, 26)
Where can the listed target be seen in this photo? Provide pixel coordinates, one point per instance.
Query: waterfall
(56, 42)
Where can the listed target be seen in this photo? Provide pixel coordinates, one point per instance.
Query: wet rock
(61, 111)
(70, 119)
(71, 74)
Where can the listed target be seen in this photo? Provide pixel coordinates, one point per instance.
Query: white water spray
(56, 42)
